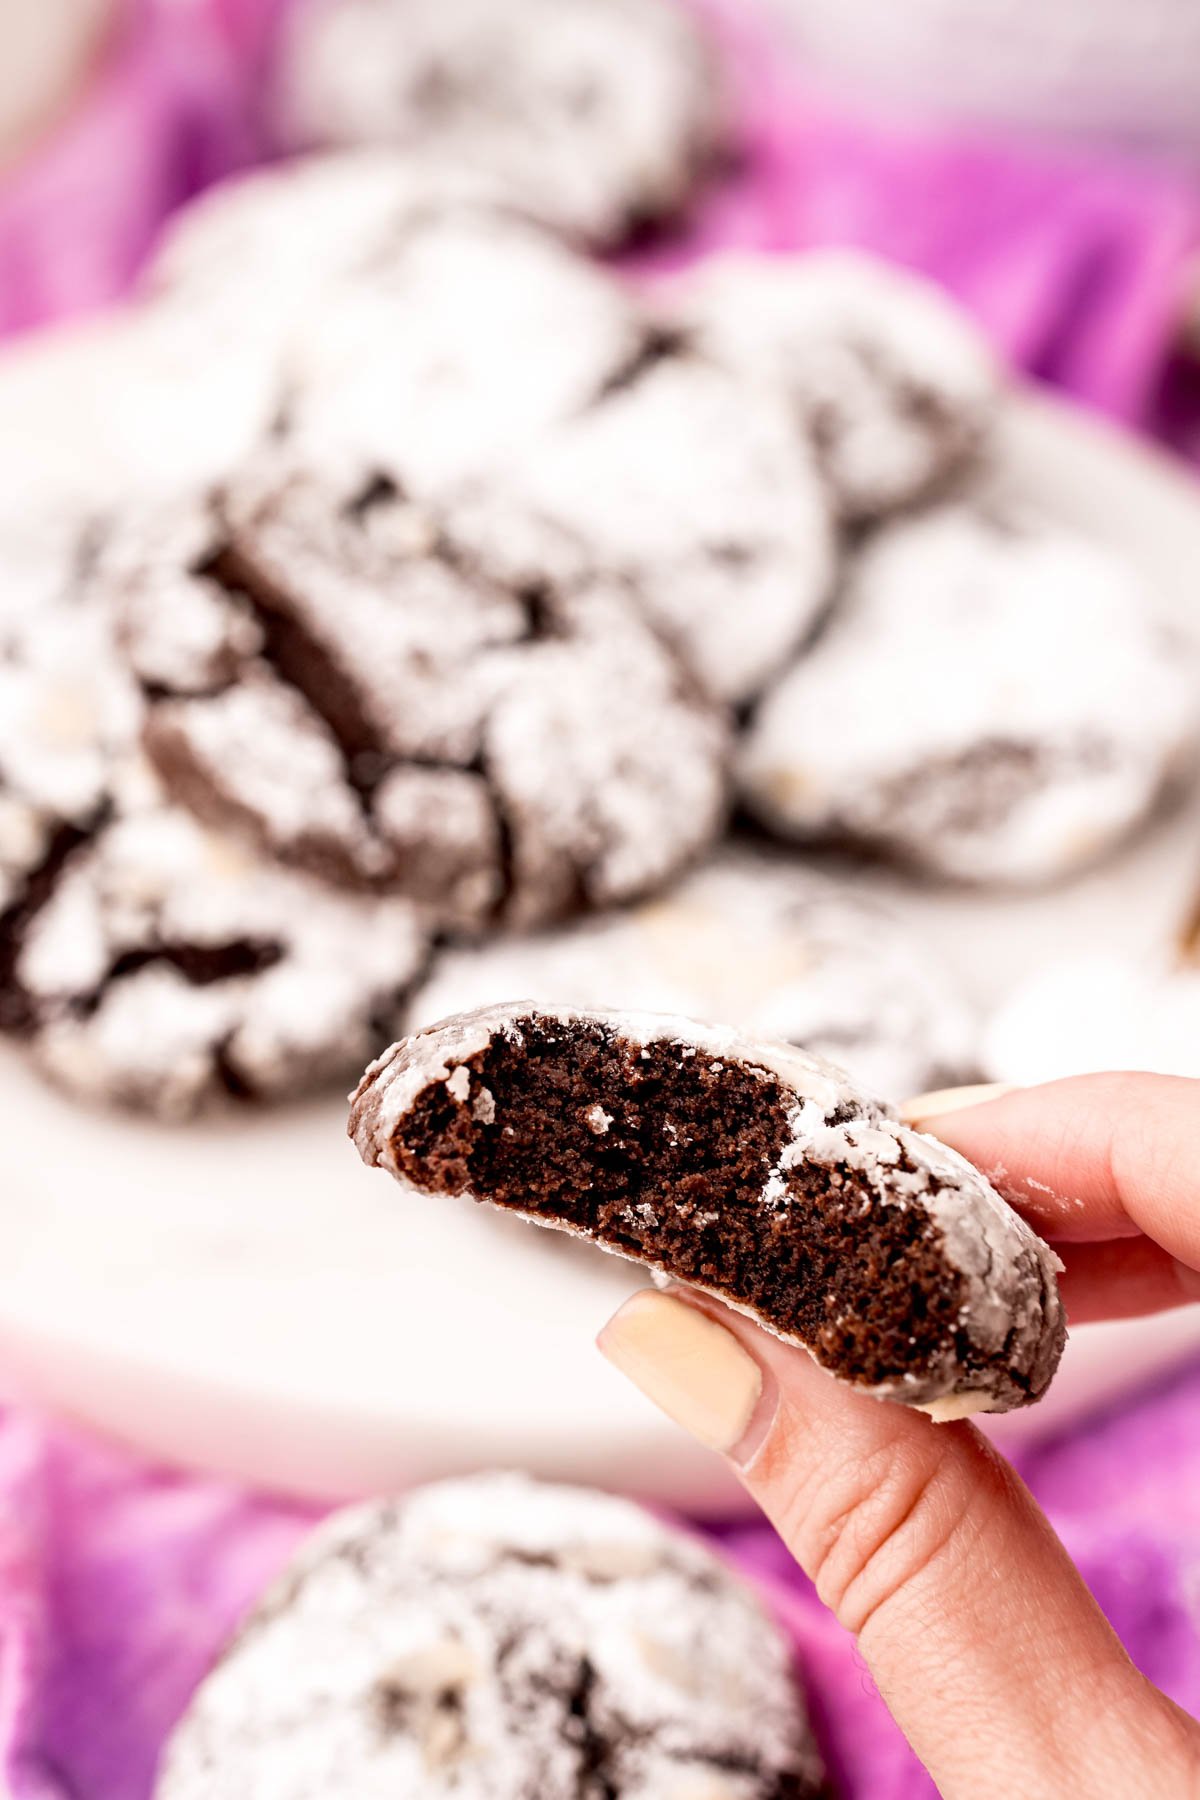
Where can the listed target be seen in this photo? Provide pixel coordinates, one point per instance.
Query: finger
(1095, 1156)
(1123, 1278)
(979, 1632)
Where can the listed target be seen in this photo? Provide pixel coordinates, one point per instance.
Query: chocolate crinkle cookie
(994, 700)
(782, 951)
(144, 961)
(326, 670)
(69, 716)
(753, 1171)
(601, 116)
(891, 382)
(500, 1639)
(420, 321)
(697, 489)
(166, 969)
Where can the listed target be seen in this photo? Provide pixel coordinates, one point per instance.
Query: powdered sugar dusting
(700, 491)
(778, 950)
(499, 1639)
(894, 384)
(420, 713)
(968, 708)
(1010, 1316)
(592, 115)
(168, 964)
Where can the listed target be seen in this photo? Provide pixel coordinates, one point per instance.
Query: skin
(986, 1645)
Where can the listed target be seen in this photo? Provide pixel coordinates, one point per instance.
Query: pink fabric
(121, 1582)
(163, 113)
(118, 1583)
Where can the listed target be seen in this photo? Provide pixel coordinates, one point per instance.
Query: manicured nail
(687, 1364)
(956, 1099)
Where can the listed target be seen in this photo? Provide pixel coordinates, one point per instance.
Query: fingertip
(934, 1105)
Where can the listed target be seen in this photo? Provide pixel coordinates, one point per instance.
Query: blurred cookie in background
(362, 282)
(69, 719)
(1088, 1014)
(758, 942)
(693, 485)
(600, 116)
(165, 969)
(498, 1637)
(995, 699)
(1080, 1015)
(330, 672)
(892, 383)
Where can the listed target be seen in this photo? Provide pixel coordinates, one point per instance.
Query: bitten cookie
(601, 116)
(165, 969)
(780, 951)
(995, 700)
(499, 1639)
(695, 486)
(326, 670)
(753, 1171)
(892, 383)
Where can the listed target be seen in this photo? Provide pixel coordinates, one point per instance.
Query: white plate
(245, 1296)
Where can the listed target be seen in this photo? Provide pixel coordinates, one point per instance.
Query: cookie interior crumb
(676, 1179)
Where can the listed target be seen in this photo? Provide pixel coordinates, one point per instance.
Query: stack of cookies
(531, 581)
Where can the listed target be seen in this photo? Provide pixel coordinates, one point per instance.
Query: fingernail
(956, 1099)
(689, 1366)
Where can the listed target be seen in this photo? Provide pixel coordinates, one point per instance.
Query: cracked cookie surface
(166, 969)
(695, 487)
(751, 1170)
(144, 961)
(601, 116)
(995, 699)
(327, 670)
(500, 1639)
(892, 384)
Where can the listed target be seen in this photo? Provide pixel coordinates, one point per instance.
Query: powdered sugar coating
(69, 713)
(455, 340)
(697, 489)
(409, 316)
(1010, 1326)
(369, 701)
(499, 1639)
(891, 381)
(594, 114)
(969, 707)
(775, 948)
(168, 969)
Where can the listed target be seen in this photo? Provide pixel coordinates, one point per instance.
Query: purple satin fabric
(118, 1583)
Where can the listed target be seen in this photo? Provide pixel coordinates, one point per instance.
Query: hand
(981, 1636)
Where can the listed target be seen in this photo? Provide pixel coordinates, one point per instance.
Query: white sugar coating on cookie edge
(894, 380)
(593, 114)
(302, 979)
(1010, 1292)
(779, 949)
(455, 339)
(970, 707)
(484, 1638)
(360, 284)
(446, 665)
(699, 490)
(69, 712)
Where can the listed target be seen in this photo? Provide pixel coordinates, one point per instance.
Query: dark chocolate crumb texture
(753, 1171)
